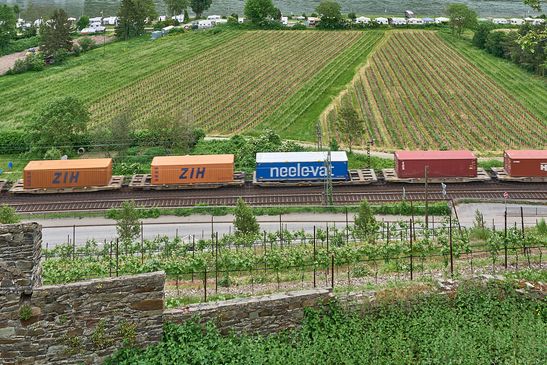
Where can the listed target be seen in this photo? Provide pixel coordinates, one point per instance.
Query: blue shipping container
(304, 166)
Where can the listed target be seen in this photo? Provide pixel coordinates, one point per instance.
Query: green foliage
(245, 223)
(481, 33)
(132, 17)
(534, 4)
(25, 312)
(86, 43)
(478, 324)
(20, 45)
(127, 222)
(7, 26)
(55, 36)
(349, 125)
(365, 223)
(199, 6)
(32, 62)
(176, 7)
(541, 227)
(8, 215)
(330, 14)
(461, 17)
(83, 22)
(61, 123)
(258, 11)
(494, 43)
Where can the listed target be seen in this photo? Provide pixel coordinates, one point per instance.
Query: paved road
(61, 230)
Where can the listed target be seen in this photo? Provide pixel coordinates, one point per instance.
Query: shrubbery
(478, 324)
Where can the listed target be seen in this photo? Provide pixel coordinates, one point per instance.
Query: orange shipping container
(177, 170)
(67, 173)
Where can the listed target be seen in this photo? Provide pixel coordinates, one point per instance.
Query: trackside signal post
(328, 181)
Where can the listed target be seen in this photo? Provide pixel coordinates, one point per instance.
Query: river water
(32, 9)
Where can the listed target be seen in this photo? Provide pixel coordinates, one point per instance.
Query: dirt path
(7, 62)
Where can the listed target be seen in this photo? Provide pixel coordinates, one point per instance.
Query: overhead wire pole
(319, 135)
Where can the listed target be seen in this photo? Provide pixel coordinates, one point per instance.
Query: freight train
(277, 169)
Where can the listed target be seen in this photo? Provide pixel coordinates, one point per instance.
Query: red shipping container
(411, 164)
(527, 163)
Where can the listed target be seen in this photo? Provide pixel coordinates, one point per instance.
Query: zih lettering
(192, 173)
(66, 177)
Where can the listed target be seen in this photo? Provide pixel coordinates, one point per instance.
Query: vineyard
(204, 269)
(418, 92)
(98, 73)
(235, 86)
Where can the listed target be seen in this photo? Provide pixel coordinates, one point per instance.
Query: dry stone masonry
(264, 315)
(82, 323)
(70, 324)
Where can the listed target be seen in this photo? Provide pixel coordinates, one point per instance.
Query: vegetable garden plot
(417, 92)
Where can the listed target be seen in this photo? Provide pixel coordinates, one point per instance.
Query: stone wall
(264, 315)
(75, 323)
(20, 254)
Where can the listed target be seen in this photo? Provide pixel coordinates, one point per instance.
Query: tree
(461, 17)
(127, 223)
(8, 215)
(55, 36)
(176, 7)
(132, 17)
(352, 16)
(7, 26)
(258, 11)
(199, 6)
(186, 16)
(495, 43)
(534, 4)
(61, 123)
(330, 13)
(365, 222)
(83, 22)
(245, 223)
(349, 125)
(176, 131)
(479, 38)
(121, 129)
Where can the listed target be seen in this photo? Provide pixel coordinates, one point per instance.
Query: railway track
(267, 197)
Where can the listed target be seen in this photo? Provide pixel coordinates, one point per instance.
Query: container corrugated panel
(411, 164)
(180, 170)
(296, 166)
(526, 163)
(49, 174)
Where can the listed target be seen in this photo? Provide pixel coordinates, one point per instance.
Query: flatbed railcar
(295, 169)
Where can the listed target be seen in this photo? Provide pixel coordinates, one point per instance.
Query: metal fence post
(332, 271)
(142, 244)
(411, 257)
(117, 255)
(110, 261)
(205, 284)
(505, 238)
(451, 248)
(216, 264)
(73, 242)
(314, 258)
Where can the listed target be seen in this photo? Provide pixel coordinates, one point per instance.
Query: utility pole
(328, 181)
(319, 133)
(426, 172)
(370, 143)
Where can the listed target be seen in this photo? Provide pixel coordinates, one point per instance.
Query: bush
(86, 43)
(14, 141)
(8, 215)
(33, 62)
